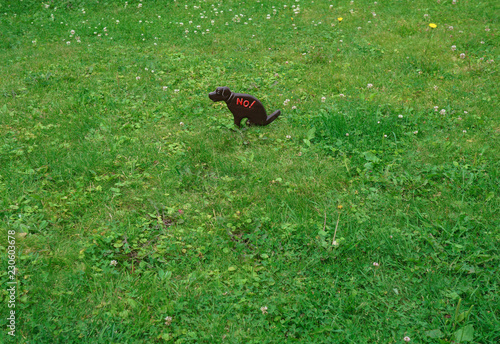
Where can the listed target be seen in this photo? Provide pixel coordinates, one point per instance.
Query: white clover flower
(181, 124)
(400, 116)
(341, 95)
(168, 320)
(376, 264)
(323, 99)
(346, 134)
(406, 339)
(462, 56)
(436, 108)
(72, 32)
(453, 47)
(263, 310)
(415, 132)
(442, 112)
(294, 107)
(369, 86)
(113, 263)
(464, 131)
(137, 78)
(288, 137)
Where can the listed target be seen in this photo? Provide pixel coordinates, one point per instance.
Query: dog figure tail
(273, 116)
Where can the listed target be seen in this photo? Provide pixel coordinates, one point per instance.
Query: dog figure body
(243, 106)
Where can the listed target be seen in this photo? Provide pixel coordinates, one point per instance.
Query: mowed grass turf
(368, 212)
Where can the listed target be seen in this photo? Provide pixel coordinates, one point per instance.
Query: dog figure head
(221, 93)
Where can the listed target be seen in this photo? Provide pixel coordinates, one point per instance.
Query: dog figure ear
(226, 92)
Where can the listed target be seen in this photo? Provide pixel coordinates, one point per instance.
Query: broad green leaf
(465, 334)
(434, 334)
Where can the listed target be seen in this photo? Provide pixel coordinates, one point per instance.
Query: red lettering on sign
(239, 101)
(245, 103)
(251, 104)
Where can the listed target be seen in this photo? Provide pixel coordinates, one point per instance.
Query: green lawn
(368, 212)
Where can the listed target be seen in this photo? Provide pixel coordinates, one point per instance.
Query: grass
(143, 216)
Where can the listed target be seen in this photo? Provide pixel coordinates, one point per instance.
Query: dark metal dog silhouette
(243, 106)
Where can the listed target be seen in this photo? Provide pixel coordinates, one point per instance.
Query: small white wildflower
(346, 134)
(406, 339)
(72, 32)
(442, 112)
(323, 99)
(435, 88)
(385, 135)
(464, 131)
(165, 88)
(139, 6)
(400, 116)
(285, 103)
(453, 47)
(288, 137)
(376, 264)
(176, 90)
(263, 310)
(341, 95)
(137, 78)
(369, 86)
(415, 132)
(436, 108)
(168, 320)
(181, 124)
(294, 107)
(113, 262)
(68, 42)
(462, 55)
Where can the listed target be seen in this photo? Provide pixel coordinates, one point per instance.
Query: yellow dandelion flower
(339, 207)
(432, 25)
(340, 19)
